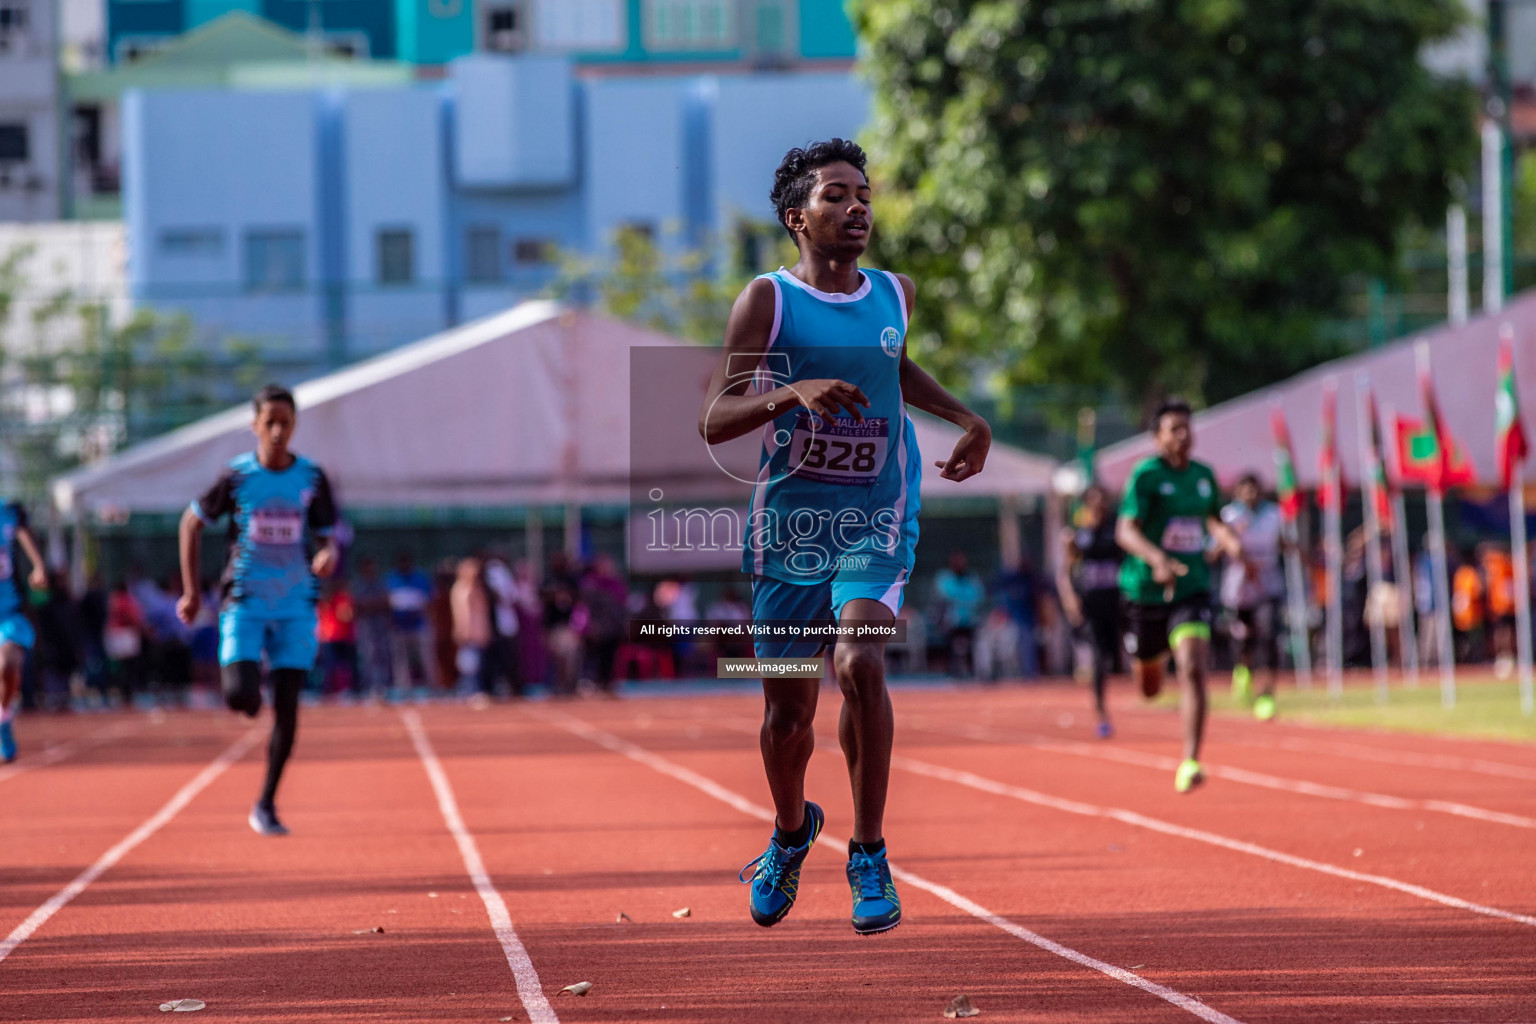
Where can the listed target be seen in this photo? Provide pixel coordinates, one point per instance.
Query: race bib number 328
(845, 451)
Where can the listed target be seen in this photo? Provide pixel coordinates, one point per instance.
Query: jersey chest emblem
(1166, 488)
(1204, 487)
(890, 342)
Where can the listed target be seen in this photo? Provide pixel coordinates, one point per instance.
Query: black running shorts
(1154, 629)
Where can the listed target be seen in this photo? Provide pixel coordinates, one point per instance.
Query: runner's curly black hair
(796, 176)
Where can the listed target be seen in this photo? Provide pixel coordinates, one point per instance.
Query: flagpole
(1296, 593)
(1408, 626)
(1433, 502)
(1522, 588)
(1369, 487)
(1333, 549)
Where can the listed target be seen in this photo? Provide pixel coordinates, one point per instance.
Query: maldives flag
(1285, 468)
(1426, 452)
(1511, 444)
(1330, 473)
(1377, 484)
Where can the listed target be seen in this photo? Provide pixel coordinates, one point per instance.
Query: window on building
(395, 257)
(690, 24)
(196, 242)
(132, 48)
(482, 253)
(13, 143)
(274, 260)
(589, 25)
(770, 31)
(14, 17)
(533, 251)
(503, 29)
(347, 44)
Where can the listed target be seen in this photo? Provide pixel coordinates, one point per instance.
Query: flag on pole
(1328, 466)
(1379, 486)
(1512, 445)
(1285, 468)
(1426, 451)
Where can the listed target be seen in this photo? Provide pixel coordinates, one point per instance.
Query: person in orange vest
(1468, 608)
(1499, 573)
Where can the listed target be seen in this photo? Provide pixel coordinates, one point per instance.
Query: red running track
(1321, 875)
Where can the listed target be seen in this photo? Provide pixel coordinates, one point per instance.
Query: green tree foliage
(1152, 195)
(669, 286)
(74, 387)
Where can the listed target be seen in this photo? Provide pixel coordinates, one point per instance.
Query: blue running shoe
(775, 877)
(876, 907)
(7, 742)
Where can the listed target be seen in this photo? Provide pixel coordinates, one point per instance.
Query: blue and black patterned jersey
(269, 510)
(13, 584)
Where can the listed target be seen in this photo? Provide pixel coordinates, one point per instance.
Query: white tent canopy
(1236, 436)
(527, 407)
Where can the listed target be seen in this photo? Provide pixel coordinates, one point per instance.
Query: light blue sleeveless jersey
(840, 499)
(13, 587)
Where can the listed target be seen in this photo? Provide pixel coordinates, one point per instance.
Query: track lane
(1256, 930)
(268, 929)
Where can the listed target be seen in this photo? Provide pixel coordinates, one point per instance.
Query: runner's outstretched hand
(970, 453)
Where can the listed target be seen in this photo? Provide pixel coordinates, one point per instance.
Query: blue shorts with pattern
(15, 629)
(288, 642)
(817, 603)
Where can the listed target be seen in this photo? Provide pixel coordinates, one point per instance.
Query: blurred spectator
(203, 637)
(58, 643)
(1499, 576)
(336, 666)
(560, 637)
(445, 651)
(167, 651)
(1469, 613)
(410, 639)
(471, 625)
(997, 646)
(911, 654)
(602, 619)
(123, 640)
(372, 618)
(93, 627)
(1424, 601)
(1018, 590)
(959, 594)
(729, 607)
(502, 660)
(533, 655)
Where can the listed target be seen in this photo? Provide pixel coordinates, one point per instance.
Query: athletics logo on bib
(890, 341)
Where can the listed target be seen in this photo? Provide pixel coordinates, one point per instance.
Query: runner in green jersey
(1171, 509)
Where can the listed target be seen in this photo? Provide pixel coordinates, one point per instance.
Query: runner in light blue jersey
(16, 635)
(815, 359)
(275, 501)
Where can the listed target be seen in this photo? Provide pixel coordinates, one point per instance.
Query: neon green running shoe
(1189, 776)
(1264, 707)
(1242, 683)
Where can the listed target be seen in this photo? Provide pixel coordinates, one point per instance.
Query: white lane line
(1443, 762)
(1263, 779)
(59, 751)
(529, 988)
(706, 785)
(1249, 738)
(986, 785)
(173, 807)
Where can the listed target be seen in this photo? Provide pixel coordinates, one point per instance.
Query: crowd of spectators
(486, 626)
